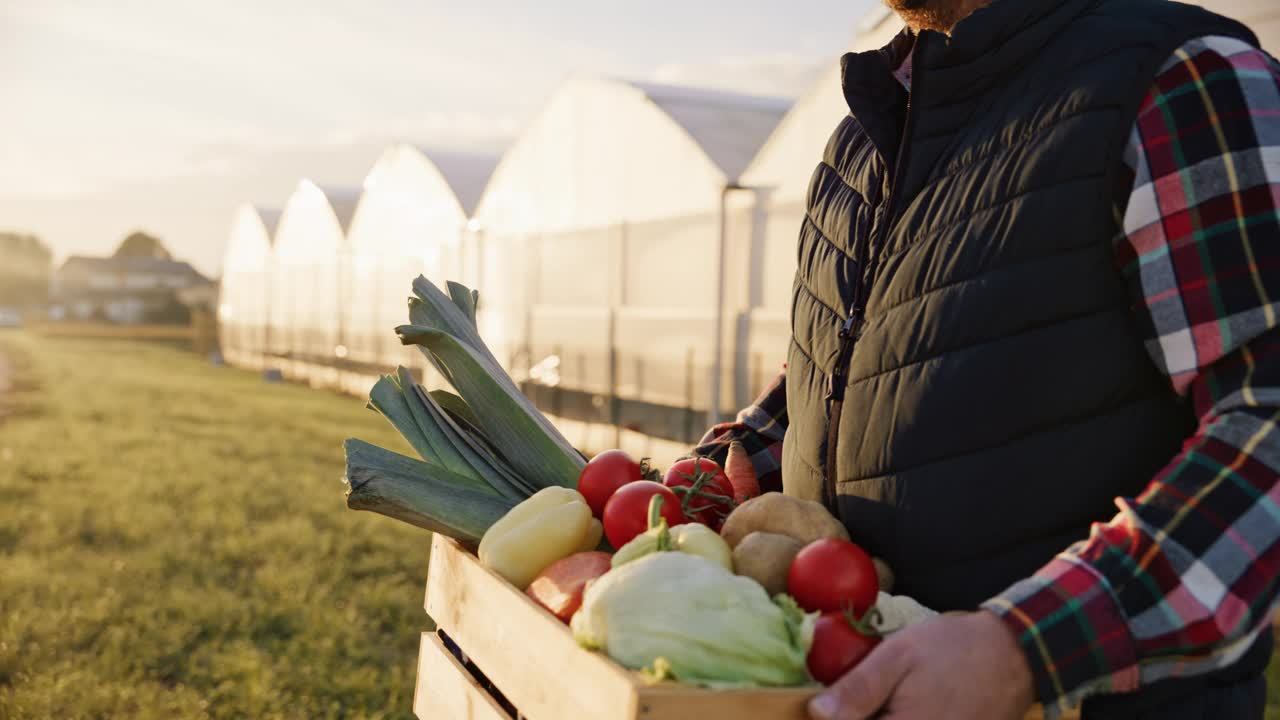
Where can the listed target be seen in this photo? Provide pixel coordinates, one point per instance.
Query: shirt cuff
(1073, 632)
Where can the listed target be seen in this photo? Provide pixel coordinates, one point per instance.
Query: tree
(25, 266)
(140, 244)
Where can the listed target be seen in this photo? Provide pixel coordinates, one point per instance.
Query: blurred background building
(139, 283)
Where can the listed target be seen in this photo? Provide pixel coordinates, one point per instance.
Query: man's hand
(959, 666)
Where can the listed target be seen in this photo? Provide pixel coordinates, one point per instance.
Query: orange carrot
(741, 473)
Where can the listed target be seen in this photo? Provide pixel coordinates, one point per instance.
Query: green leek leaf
(420, 493)
(534, 447)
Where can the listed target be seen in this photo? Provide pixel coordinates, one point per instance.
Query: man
(1039, 272)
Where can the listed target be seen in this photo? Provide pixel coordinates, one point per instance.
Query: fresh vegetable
(706, 496)
(697, 621)
(774, 512)
(832, 574)
(559, 587)
(488, 440)
(840, 642)
(692, 538)
(627, 513)
(421, 493)
(549, 526)
(897, 612)
(741, 473)
(884, 575)
(698, 539)
(595, 533)
(607, 472)
(766, 558)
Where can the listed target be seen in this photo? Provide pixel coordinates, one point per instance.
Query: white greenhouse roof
(252, 235)
(604, 151)
(270, 218)
(729, 127)
(343, 200)
(466, 173)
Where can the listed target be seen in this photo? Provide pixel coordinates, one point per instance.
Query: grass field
(174, 544)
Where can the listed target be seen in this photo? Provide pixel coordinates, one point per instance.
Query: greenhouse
(1262, 16)
(410, 221)
(243, 304)
(307, 288)
(601, 237)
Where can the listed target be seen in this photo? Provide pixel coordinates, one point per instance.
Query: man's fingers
(863, 690)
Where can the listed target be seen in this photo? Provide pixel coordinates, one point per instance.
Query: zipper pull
(835, 387)
(848, 335)
(846, 330)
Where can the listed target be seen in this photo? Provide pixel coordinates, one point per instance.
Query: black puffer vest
(957, 304)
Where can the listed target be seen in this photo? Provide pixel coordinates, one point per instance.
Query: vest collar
(982, 48)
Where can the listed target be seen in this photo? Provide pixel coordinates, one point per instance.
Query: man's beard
(940, 15)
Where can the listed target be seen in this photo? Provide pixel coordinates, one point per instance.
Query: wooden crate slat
(446, 691)
(681, 702)
(528, 654)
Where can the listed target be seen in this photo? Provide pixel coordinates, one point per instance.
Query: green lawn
(174, 544)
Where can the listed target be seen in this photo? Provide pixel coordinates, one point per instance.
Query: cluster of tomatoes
(838, 579)
(619, 489)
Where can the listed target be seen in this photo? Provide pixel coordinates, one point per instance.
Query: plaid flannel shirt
(1184, 578)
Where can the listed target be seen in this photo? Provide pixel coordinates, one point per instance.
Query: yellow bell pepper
(595, 533)
(551, 525)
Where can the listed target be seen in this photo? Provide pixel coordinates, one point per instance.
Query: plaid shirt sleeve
(760, 429)
(1183, 579)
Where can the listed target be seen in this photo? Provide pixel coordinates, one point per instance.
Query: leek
(420, 493)
(483, 449)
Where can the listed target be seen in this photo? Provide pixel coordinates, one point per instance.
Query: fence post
(690, 412)
(557, 394)
(757, 370)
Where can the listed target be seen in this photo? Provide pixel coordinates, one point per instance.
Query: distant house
(128, 288)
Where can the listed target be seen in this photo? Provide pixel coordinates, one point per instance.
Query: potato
(773, 512)
(766, 558)
(884, 574)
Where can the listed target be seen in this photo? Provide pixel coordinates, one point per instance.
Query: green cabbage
(690, 618)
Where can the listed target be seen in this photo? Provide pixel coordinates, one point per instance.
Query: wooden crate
(531, 657)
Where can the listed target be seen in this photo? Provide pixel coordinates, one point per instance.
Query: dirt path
(6, 382)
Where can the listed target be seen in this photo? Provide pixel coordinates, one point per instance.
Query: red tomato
(560, 586)
(607, 472)
(710, 494)
(837, 647)
(627, 513)
(833, 574)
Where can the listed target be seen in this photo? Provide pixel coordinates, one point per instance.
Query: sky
(164, 115)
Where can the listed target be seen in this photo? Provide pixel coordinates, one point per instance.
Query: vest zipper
(852, 327)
